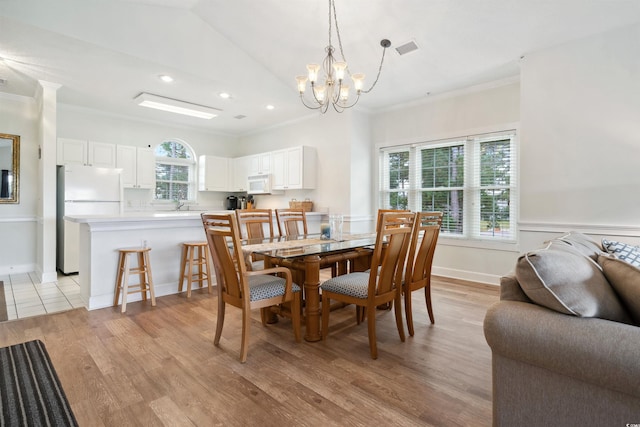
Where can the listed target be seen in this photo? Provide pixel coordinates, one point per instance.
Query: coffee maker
(232, 203)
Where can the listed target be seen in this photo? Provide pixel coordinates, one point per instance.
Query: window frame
(471, 235)
(191, 163)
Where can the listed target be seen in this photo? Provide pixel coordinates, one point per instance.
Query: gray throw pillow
(625, 279)
(625, 252)
(582, 243)
(563, 280)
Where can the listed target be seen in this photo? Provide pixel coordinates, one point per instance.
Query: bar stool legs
(143, 270)
(194, 254)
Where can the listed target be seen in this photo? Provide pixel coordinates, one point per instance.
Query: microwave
(259, 184)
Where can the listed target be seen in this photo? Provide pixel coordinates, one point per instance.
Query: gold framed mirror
(9, 168)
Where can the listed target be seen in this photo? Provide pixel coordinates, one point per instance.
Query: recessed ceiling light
(224, 95)
(165, 78)
(175, 106)
(270, 107)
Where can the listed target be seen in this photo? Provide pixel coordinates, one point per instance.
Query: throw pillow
(625, 279)
(625, 252)
(582, 243)
(568, 282)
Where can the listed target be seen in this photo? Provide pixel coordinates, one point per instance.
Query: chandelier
(332, 88)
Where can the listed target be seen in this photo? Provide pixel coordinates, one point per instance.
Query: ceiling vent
(239, 116)
(3, 82)
(406, 48)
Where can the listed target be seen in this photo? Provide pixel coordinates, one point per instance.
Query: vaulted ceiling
(105, 52)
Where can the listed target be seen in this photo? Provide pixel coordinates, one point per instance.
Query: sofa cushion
(625, 252)
(510, 289)
(582, 243)
(625, 279)
(562, 279)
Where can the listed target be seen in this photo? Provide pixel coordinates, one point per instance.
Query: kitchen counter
(164, 232)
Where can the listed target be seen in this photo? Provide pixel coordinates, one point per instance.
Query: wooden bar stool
(143, 270)
(194, 254)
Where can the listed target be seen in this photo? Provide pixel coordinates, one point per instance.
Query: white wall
(581, 136)
(18, 116)
(453, 115)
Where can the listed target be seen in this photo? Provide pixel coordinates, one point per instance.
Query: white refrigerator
(83, 190)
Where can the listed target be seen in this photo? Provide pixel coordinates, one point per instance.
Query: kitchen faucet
(179, 205)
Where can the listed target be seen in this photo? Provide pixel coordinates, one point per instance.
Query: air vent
(407, 47)
(239, 116)
(3, 82)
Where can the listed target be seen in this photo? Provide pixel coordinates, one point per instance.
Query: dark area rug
(30, 391)
(3, 304)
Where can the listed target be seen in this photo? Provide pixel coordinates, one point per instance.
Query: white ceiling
(105, 52)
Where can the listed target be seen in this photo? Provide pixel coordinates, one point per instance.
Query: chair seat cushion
(267, 286)
(352, 284)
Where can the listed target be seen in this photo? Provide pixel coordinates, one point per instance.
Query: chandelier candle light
(334, 89)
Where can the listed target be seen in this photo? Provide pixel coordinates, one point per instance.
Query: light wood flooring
(155, 366)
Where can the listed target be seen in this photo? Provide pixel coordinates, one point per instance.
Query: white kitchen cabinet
(239, 173)
(138, 166)
(213, 173)
(293, 168)
(259, 164)
(88, 153)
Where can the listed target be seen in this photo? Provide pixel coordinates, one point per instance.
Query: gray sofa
(564, 341)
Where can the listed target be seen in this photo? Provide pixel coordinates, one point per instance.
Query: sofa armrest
(597, 351)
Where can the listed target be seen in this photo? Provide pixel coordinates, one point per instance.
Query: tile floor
(25, 297)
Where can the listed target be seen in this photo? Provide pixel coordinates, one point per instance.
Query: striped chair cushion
(266, 286)
(352, 284)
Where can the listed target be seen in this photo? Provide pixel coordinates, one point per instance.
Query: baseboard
(489, 279)
(17, 269)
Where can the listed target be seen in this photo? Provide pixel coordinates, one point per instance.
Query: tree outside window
(175, 176)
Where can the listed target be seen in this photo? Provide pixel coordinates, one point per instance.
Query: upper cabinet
(88, 153)
(239, 173)
(259, 164)
(213, 173)
(138, 166)
(293, 168)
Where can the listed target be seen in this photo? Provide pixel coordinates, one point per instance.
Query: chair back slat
(384, 211)
(422, 249)
(253, 222)
(291, 222)
(390, 252)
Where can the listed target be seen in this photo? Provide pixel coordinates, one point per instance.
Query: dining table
(305, 256)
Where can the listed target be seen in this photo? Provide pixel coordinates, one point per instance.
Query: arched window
(175, 171)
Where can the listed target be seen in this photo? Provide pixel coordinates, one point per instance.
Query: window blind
(471, 179)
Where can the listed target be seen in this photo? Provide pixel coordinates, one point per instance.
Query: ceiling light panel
(175, 106)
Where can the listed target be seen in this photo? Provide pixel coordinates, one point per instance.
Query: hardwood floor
(158, 365)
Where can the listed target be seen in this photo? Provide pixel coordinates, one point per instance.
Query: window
(471, 180)
(175, 171)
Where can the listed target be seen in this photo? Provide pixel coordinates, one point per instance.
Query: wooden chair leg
(208, 267)
(183, 264)
(125, 283)
(326, 309)
(295, 316)
(220, 321)
(398, 312)
(190, 255)
(119, 279)
(408, 310)
(244, 346)
(149, 279)
(371, 323)
(427, 296)
(142, 275)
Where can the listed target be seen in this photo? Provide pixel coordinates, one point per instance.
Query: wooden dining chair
(252, 224)
(291, 222)
(244, 289)
(419, 261)
(372, 289)
(384, 211)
